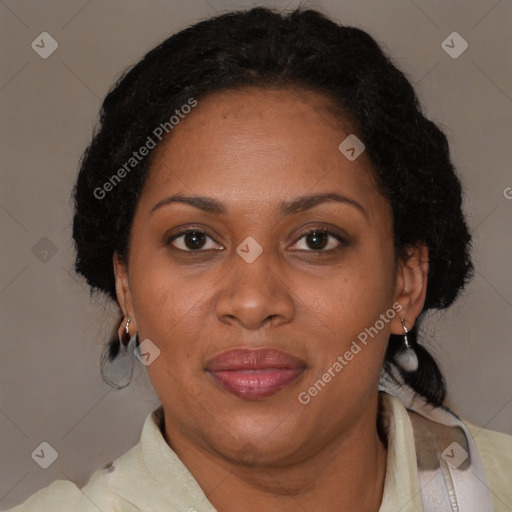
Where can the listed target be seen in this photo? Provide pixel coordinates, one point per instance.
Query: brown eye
(320, 240)
(193, 240)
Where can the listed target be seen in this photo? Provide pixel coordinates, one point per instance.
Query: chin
(249, 445)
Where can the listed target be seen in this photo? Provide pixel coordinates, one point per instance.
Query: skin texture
(250, 150)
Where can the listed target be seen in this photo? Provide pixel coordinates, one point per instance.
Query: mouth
(255, 374)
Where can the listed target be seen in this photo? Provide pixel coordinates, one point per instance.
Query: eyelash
(343, 241)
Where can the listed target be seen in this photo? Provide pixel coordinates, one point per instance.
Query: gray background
(52, 331)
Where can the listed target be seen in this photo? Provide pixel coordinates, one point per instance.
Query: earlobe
(411, 287)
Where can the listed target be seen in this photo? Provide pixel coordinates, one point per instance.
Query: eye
(320, 240)
(193, 240)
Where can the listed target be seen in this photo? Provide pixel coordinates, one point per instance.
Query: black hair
(302, 49)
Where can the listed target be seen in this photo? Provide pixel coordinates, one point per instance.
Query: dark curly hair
(301, 49)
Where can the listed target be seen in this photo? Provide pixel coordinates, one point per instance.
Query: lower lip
(256, 384)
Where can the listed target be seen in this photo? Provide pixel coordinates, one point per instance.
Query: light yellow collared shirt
(151, 478)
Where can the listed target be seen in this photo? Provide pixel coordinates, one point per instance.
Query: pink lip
(255, 374)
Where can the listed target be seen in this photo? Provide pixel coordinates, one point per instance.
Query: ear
(123, 292)
(410, 287)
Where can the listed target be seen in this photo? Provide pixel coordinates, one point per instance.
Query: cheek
(167, 304)
(169, 312)
(359, 291)
(349, 308)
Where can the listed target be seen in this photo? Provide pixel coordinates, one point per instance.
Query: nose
(255, 294)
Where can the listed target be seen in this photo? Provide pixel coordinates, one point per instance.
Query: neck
(347, 473)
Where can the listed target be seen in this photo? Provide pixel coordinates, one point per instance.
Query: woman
(274, 216)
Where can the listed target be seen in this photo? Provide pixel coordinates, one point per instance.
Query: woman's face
(248, 276)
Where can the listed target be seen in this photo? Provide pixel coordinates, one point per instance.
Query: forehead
(254, 145)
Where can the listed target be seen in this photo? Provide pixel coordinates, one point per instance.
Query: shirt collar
(401, 485)
(167, 468)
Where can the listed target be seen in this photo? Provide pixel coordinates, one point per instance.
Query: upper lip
(253, 359)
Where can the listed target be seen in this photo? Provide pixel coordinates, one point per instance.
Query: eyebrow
(210, 205)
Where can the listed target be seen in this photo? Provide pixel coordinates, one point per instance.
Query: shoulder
(60, 496)
(106, 489)
(495, 450)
